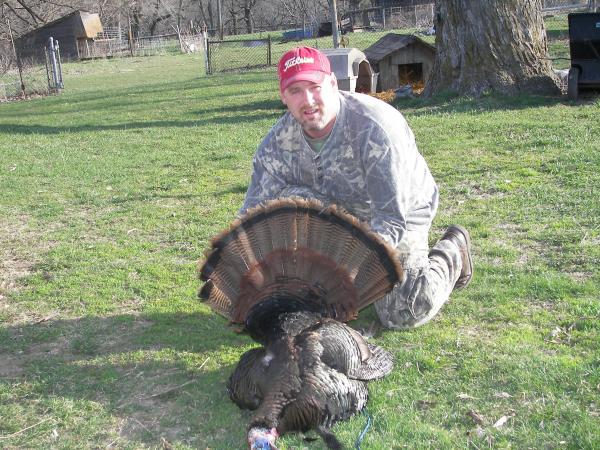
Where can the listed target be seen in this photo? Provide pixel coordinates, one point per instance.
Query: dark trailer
(584, 43)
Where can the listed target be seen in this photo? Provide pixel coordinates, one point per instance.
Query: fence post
(130, 36)
(334, 24)
(269, 49)
(17, 58)
(52, 50)
(47, 60)
(59, 66)
(205, 45)
(383, 17)
(208, 68)
(432, 16)
(220, 19)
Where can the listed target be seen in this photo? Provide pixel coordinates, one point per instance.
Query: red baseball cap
(302, 64)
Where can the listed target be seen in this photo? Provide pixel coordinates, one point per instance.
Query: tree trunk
(211, 19)
(248, 19)
(496, 45)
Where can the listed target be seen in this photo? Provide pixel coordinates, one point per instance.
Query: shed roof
(90, 24)
(392, 42)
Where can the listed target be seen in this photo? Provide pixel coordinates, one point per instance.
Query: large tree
(492, 45)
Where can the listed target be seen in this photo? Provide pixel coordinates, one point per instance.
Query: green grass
(110, 192)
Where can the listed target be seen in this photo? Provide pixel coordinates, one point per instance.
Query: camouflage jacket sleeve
(265, 183)
(273, 174)
(388, 182)
(400, 188)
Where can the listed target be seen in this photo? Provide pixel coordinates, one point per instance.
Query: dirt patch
(13, 263)
(13, 365)
(27, 97)
(579, 277)
(10, 367)
(15, 257)
(21, 248)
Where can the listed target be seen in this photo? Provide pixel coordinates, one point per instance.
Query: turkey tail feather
(295, 245)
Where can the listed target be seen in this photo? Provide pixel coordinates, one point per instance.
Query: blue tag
(597, 24)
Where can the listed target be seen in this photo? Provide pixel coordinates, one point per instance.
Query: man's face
(313, 105)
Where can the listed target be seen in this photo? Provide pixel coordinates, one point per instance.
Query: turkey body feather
(309, 379)
(292, 271)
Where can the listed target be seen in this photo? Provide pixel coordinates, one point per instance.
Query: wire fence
(119, 45)
(37, 73)
(565, 5)
(361, 29)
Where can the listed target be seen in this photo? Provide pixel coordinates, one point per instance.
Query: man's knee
(409, 305)
(404, 318)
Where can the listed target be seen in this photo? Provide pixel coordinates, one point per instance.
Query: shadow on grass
(239, 188)
(224, 114)
(270, 105)
(161, 376)
(16, 128)
(144, 197)
(452, 103)
(150, 95)
(253, 111)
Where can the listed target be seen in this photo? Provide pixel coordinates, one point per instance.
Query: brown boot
(460, 236)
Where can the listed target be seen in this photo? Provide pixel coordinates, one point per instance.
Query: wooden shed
(74, 32)
(401, 59)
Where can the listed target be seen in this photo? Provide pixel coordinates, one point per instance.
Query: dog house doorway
(411, 74)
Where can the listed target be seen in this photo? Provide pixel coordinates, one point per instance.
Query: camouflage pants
(429, 275)
(429, 280)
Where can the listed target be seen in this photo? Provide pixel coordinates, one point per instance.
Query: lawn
(110, 192)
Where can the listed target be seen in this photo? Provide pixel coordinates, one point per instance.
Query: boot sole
(461, 284)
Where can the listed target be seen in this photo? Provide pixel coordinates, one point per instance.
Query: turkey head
(311, 373)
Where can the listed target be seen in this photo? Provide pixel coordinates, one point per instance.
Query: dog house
(401, 59)
(352, 70)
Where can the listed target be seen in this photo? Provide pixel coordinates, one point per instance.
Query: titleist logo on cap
(302, 64)
(298, 60)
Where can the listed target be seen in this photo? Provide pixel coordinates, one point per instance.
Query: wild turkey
(292, 271)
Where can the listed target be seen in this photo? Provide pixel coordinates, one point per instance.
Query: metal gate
(238, 54)
(53, 66)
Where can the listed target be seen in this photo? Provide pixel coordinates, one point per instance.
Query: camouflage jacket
(369, 164)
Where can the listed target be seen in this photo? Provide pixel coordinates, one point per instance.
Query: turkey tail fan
(301, 248)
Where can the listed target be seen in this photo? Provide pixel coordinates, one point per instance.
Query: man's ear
(333, 80)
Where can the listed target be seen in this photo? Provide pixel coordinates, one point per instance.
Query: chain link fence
(29, 71)
(361, 29)
(565, 5)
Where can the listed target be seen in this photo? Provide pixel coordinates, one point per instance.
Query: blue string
(361, 436)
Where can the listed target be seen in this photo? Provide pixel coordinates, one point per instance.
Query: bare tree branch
(37, 19)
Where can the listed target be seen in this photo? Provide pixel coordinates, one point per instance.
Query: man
(358, 152)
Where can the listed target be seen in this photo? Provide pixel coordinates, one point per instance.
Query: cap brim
(313, 77)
